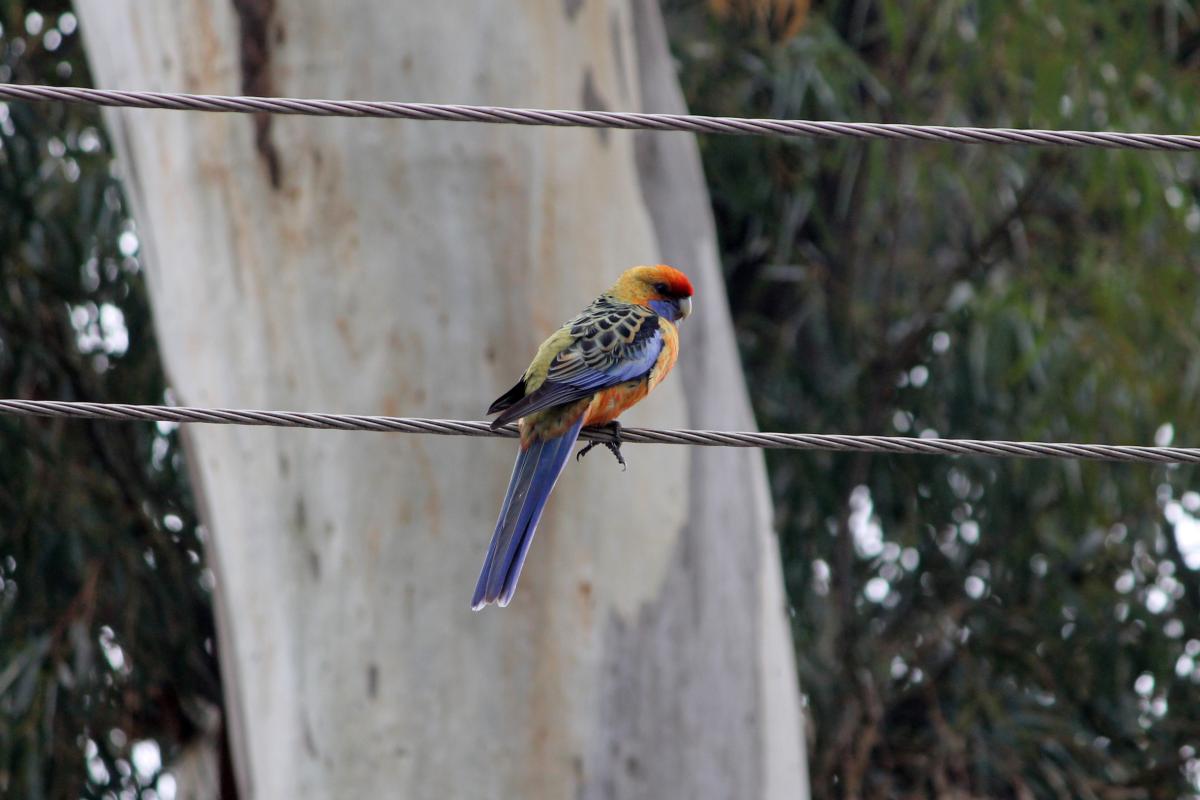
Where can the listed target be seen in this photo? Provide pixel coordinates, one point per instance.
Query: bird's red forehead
(676, 280)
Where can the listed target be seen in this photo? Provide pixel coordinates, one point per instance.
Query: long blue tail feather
(533, 477)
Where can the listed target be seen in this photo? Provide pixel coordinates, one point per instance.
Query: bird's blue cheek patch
(665, 308)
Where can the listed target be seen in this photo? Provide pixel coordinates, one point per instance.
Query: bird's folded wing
(610, 345)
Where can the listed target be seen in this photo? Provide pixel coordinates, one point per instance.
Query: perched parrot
(590, 370)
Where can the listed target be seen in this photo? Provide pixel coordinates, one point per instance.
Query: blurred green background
(963, 627)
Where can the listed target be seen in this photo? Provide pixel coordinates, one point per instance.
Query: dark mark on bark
(373, 680)
(614, 31)
(310, 742)
(254, 19)
(592, 101)
(572, 7)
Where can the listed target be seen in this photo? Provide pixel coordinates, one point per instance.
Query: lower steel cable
(838, 443)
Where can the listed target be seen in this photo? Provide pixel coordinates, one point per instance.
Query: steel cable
(601, 119)
(841, 443)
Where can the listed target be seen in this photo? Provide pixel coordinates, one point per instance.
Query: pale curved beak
(685, 307)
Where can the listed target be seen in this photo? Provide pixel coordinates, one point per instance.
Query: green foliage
(106, 629)
(974, 627)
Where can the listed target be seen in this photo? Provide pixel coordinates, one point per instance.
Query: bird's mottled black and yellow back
(599, 345)
(603, 334)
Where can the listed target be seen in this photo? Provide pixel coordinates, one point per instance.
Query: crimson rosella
(590, 370)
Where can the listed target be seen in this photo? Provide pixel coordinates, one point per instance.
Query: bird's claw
(614, 446)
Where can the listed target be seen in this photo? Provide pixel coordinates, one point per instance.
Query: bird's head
(662, 288)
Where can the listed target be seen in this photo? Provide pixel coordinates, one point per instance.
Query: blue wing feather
(633, 362)
(574, 375)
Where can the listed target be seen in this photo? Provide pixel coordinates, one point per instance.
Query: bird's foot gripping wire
(614, 446)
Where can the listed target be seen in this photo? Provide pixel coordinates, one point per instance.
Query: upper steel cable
(603, 119)
(447, 427)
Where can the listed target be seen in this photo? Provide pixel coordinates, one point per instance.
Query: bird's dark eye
(661, 288)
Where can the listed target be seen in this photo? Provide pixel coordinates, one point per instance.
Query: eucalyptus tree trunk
(412, 268)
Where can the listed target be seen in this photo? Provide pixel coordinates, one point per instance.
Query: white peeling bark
(412, 268)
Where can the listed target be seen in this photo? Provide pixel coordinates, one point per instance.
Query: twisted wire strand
(602, 119)
(841, 443)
